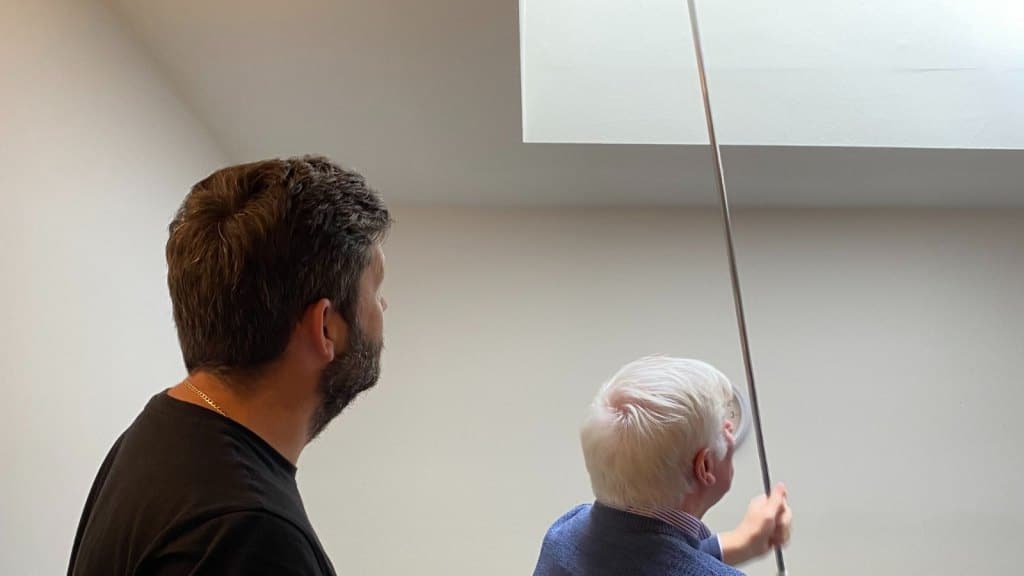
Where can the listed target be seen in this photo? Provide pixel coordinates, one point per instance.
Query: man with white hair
(659, 450)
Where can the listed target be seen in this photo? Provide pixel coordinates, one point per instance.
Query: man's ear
(323, 328)
(703, 467)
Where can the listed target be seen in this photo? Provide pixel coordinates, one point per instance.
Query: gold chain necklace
(190, 386)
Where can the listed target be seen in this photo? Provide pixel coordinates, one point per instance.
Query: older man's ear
(704, 468)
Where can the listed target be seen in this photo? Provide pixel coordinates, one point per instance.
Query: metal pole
(733, 270)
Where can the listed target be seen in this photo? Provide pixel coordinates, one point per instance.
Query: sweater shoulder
(568, 519)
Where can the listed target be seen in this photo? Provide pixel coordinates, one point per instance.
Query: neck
(267, 405)
(695, 505)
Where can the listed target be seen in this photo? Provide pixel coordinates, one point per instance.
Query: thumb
(778, 496)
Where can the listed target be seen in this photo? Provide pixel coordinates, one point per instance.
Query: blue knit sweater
(595, 540)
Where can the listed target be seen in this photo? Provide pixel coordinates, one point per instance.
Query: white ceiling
(909, 73)
(424, 98)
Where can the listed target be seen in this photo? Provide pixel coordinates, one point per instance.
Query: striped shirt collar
(688, 523)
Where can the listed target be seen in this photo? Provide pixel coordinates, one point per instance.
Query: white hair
(647, 424)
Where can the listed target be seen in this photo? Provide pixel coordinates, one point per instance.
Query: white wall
(887, 345)
(95, 155)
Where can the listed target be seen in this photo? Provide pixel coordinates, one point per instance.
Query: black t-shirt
(187, 491)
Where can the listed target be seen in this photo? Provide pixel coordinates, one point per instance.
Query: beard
(348, 375)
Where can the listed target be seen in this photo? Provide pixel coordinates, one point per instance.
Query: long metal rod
(734, 274)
